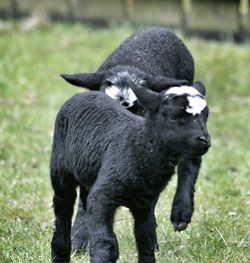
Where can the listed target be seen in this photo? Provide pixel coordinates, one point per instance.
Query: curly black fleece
(157, 51)
(117, 158)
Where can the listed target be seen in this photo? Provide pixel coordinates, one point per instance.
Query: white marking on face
(113, 92)
(125, 75)
(196, 101)
(129, 96)
(196, 105)
(179, 91)
(121, 95)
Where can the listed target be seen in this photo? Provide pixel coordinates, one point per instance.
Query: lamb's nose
(125, 104)
(205, 139)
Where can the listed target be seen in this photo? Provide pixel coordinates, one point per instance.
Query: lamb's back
(85, 127)
(157, 51)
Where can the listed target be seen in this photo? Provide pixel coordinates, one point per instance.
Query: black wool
(119, 159)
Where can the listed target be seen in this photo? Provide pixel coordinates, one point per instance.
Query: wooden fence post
(186, 7)
(72, 7)
(14, 9)
(243, 16)
(128, 7)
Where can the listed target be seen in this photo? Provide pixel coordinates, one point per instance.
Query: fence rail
(212, 19)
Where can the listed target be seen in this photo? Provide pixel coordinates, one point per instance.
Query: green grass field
(31, 93)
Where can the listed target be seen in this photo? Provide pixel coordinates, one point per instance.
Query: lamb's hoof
(58, 259)
(180, 226)
(79, 248)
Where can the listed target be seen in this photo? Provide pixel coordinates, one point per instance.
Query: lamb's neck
(150, 151)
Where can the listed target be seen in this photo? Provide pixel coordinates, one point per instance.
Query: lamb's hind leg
(79, 233)
(63, 201)
(183, 204)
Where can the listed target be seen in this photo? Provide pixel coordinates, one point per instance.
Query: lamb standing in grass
(155, 58)
(113, 170)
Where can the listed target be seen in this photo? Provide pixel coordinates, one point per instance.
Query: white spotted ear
(200, 87)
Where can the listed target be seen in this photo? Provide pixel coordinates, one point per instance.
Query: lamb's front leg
(145, 233)
(103, 244)
(183, 204)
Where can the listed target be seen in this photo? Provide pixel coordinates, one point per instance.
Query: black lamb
(154, 57)
(157, 59)
(121, 159)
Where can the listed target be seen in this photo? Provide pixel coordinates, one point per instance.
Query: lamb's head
(117, 85)
(178, 117)
(117, 82)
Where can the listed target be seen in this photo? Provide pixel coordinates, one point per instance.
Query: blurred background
(212, 19)
(41, 39)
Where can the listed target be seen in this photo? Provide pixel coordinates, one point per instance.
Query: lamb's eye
(121, 98)
(108, 83)
(173, 119)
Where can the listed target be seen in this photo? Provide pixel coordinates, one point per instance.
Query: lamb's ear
(160, 83)
(149, 99)
(200, 87)
(91, 81)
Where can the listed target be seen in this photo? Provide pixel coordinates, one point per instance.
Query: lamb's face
(117, 82)
(182, 117)
(124, 95)
(118, 87)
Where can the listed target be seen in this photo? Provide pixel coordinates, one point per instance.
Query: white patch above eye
(183, 90)
(196, 105)
(196, 101)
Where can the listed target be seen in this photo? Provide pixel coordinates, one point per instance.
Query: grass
(30, 96)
